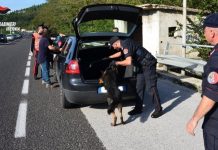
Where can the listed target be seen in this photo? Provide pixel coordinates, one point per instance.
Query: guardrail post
(166, 49)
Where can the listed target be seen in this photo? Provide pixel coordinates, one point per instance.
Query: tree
(207, 7)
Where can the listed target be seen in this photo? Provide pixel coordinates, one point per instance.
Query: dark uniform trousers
(147, 80)
(210, 141)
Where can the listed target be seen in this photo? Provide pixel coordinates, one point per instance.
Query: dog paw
(113, 124)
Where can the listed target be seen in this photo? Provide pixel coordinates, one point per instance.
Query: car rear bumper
(79, 92)
(91, 97)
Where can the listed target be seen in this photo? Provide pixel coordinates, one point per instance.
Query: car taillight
(73, 67)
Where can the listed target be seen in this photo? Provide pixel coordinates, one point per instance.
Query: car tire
(65, 103)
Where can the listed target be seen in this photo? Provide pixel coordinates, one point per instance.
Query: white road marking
(25, 88)
(27, 73)
(20, 130)
(30, 53)
(29, 57)
(28, 63)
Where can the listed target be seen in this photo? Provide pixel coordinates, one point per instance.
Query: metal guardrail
(166, 50)
(194, 66)
(197, 45)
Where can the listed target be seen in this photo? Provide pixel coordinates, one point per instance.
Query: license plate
(103, 90)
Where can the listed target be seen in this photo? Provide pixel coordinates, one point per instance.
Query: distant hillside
(23, 17)
(58, 14)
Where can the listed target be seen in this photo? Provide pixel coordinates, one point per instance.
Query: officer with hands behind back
(146, 76)
(208, 107)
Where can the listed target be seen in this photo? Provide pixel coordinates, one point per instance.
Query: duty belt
(148, 60)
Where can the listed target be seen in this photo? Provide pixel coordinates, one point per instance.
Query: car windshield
(106, 25)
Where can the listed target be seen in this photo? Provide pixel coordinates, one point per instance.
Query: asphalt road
(31, 117)
(48, 126)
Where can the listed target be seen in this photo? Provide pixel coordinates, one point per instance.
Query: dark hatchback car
(79, 66)
(3, 38)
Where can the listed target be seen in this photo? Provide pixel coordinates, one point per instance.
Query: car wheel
(65, 103)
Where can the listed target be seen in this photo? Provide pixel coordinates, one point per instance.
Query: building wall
(155, 31)
(150, 31)
(155, 28)
(121, 25)
(175, 42)
(168, 20)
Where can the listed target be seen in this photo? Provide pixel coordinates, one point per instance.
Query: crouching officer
(146, 76)
(208, 107)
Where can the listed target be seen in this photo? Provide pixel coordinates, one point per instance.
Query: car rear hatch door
(129, 14)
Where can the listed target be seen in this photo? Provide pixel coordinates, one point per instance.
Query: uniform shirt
(210, 89)
(128, 47)
(139, 54)
(43, 49)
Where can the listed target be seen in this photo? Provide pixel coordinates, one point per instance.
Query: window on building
(171, 31)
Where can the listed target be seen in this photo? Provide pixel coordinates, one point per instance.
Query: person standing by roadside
(208, 107)
(35, 48)
(115, 29)
(146, 76)
(44, 47)
(59, 42)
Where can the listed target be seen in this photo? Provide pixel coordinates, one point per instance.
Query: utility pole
(184, 27)
(184, 32)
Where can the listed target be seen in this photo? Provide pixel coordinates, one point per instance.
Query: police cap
(113, 39)
(211, 21)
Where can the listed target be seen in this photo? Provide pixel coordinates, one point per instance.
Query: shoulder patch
(212, 78)
(125, 51)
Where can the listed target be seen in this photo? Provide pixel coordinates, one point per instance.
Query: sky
(20, 4)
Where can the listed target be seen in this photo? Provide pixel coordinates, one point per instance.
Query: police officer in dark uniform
(146, 76)
(208, 107)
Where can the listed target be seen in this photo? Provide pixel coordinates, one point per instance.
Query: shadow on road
(171, 96)
(170, 93)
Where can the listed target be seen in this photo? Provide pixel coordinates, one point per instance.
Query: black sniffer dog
(114, 97)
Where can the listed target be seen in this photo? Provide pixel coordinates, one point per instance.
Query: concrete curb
(190, 82)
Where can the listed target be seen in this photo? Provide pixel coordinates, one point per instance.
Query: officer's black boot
(135, 111)
(157, 113)
(156, 100)
(138, 108)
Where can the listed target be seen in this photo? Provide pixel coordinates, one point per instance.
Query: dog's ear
(102, 72)
(114, 68)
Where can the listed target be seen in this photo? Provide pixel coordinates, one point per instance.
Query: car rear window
(106, 25)
(86, 45)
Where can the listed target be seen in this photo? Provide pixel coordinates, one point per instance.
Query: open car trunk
(91, 66)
